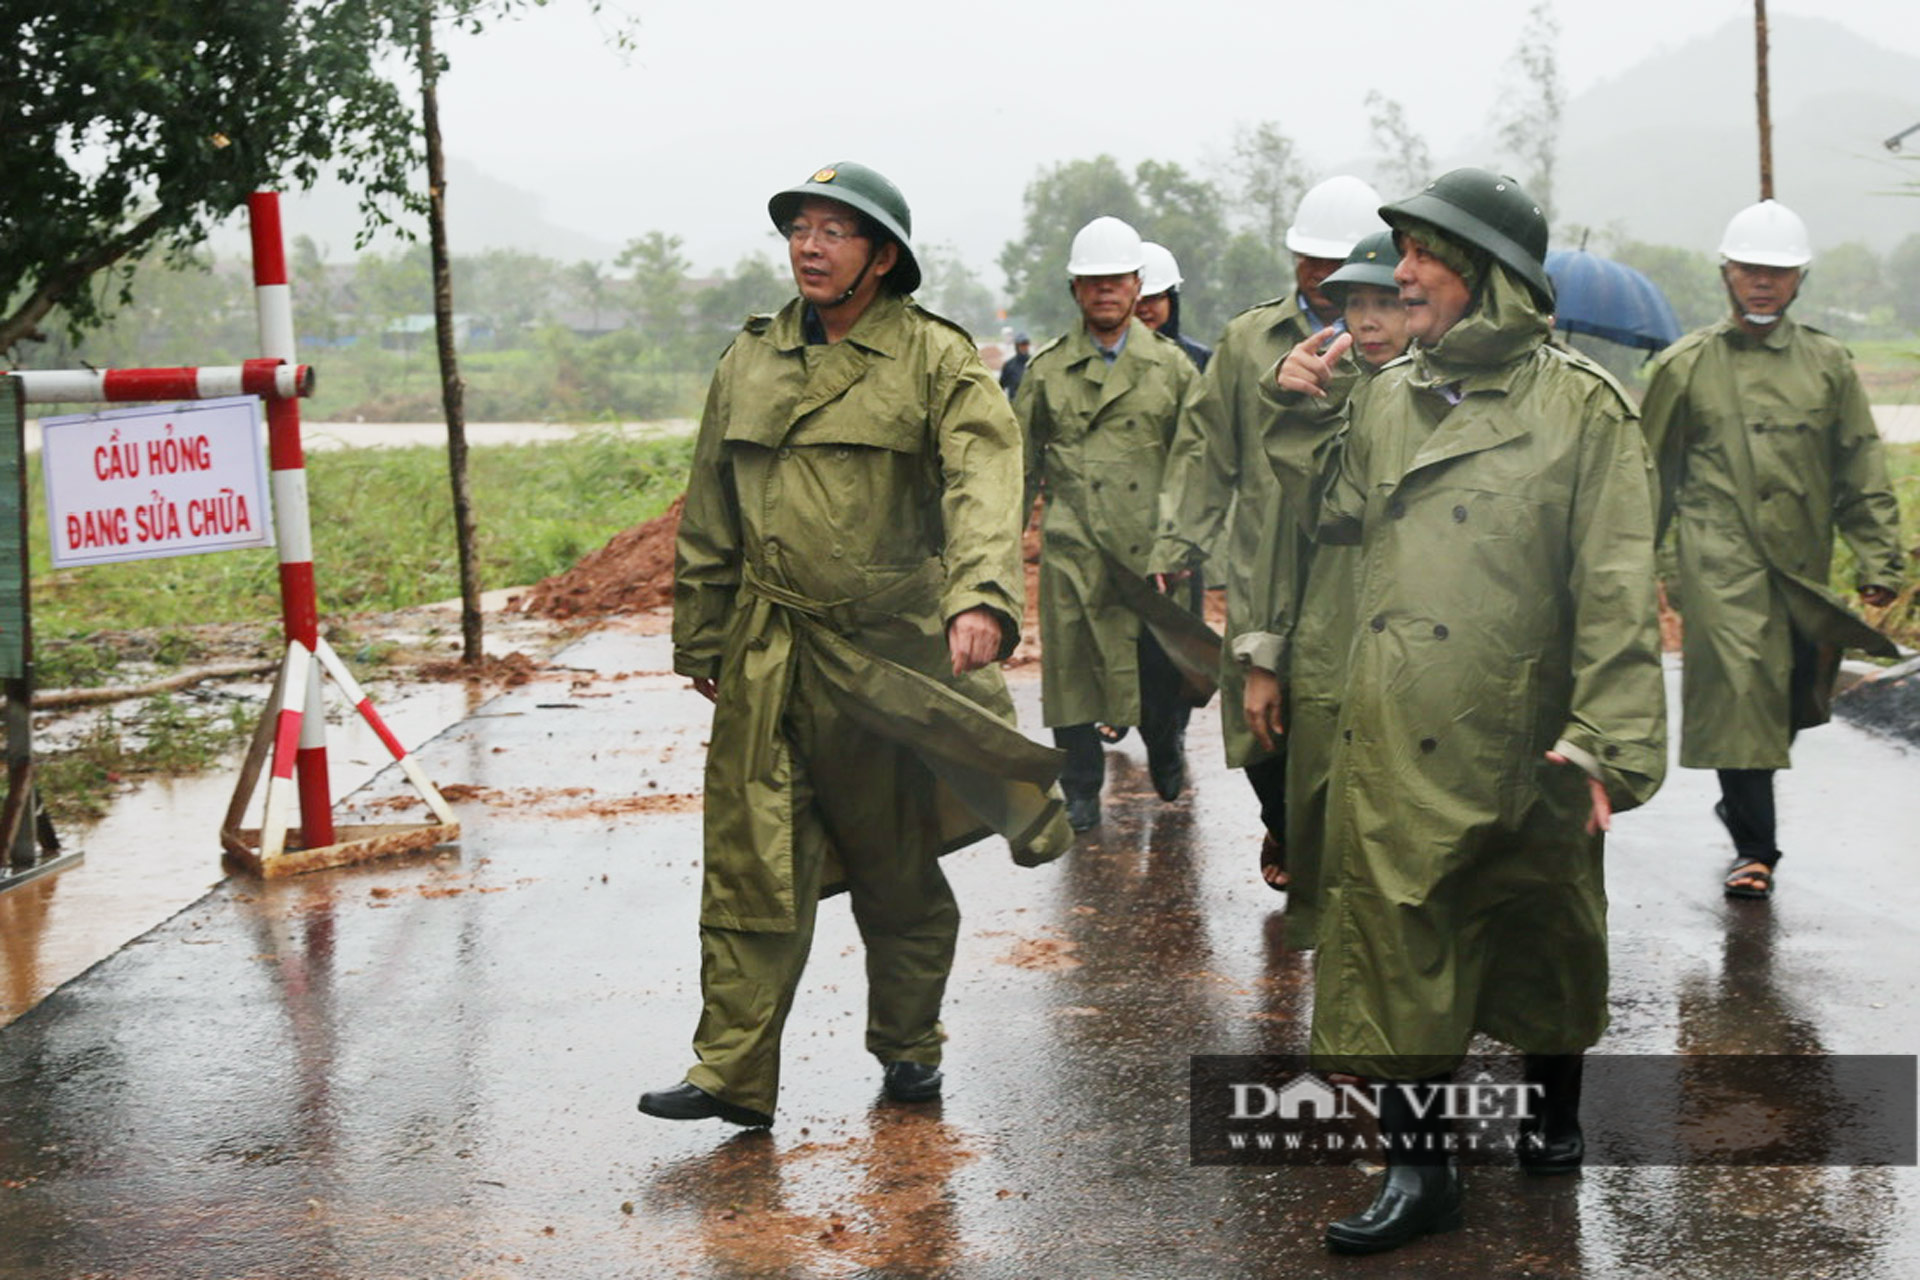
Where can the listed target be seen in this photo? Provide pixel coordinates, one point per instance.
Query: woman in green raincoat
(1318, 628)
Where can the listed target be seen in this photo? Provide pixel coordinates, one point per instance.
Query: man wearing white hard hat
(1099, 405)
(1159, 305)
(1219, 479)
(1766, 446)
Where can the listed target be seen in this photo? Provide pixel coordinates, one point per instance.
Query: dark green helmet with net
(868, 191)
(1490, 212)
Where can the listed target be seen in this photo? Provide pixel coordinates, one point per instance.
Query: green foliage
(166, 735)
(753, 287)
(505, 294)
(1059, 202)
(179, 310)
(657, 293)
(1689, 278)
(79, 663)
(1188, 215)
(1903, 281)
(383, 539)
(1162, 201)
(129, 126)
(77, 782)
(1250, 272)
(949, 288)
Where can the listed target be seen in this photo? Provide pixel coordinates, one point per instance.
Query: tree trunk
(1761, 98)
(452, 390)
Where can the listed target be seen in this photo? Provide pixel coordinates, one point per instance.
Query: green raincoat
(1097, 440)
(1315, 625)
(1218, 478)
(1764, 446)
(846, 501)
(1505, 608)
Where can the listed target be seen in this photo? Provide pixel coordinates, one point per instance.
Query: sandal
(1273, 864)
(1749, 880)
(1110, 733)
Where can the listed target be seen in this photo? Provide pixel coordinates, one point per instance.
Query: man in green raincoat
(1218, 479)
(1099, 406)
(1765, 444)
(1503, 697)
(847, 574)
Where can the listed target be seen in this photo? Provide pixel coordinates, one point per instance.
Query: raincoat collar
(1488, 344)
(1082, 347)
(877, 330)
(1777, 338)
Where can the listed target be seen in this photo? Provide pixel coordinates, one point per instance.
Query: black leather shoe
(1168, 766)
(1083, 812)
(1550, 1140)
(911, 1082)
(687, 1101)
(1420, 1193)
(1414, 1200)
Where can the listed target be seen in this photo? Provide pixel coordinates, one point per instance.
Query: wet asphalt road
(427, 1067)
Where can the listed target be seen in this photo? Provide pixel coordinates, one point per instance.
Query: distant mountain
(482, 213)
(1668, 150)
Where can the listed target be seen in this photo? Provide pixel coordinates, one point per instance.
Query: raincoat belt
(993, 778)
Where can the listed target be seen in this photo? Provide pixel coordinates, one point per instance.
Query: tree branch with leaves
(130, 127)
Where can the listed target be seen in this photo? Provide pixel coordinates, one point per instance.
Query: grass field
(383, 537)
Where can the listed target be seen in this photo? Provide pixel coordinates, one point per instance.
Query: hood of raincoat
(1503, 325)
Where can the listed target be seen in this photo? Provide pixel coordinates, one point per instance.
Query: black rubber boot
(1420, 1194)
(1550, 1137)
(1084, 773)
(1163, 720)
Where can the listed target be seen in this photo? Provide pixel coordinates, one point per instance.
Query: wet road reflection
(427, 1067)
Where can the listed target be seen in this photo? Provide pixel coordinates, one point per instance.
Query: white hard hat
(1333, 217)
(1104, 247)
(1158, 270)
(1767, 234)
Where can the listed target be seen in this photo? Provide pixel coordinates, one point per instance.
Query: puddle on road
(879, 1202)
(158, 850)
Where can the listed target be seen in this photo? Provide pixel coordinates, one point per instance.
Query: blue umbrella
(1609, 299)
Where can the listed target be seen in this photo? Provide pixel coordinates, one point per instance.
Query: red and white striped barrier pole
(330, 662)
(268, 379)
(290, 723)
(293, 527)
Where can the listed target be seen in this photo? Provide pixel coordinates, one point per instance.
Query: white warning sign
(136, 484)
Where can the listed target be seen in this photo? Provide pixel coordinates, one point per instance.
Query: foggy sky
(723, 101)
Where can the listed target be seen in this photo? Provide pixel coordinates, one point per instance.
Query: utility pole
(1761, 98)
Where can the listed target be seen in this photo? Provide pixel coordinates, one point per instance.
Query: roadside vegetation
(383, 539)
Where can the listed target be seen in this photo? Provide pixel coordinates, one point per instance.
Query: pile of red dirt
(632, 573)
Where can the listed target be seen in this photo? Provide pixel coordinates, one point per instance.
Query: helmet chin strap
(854, 288)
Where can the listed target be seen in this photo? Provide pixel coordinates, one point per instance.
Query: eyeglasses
(834, 233)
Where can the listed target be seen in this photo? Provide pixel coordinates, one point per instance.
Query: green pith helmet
(1371, 262)
(868, 191)
(1490, 212)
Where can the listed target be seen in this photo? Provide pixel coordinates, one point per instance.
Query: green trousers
(872, 803)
